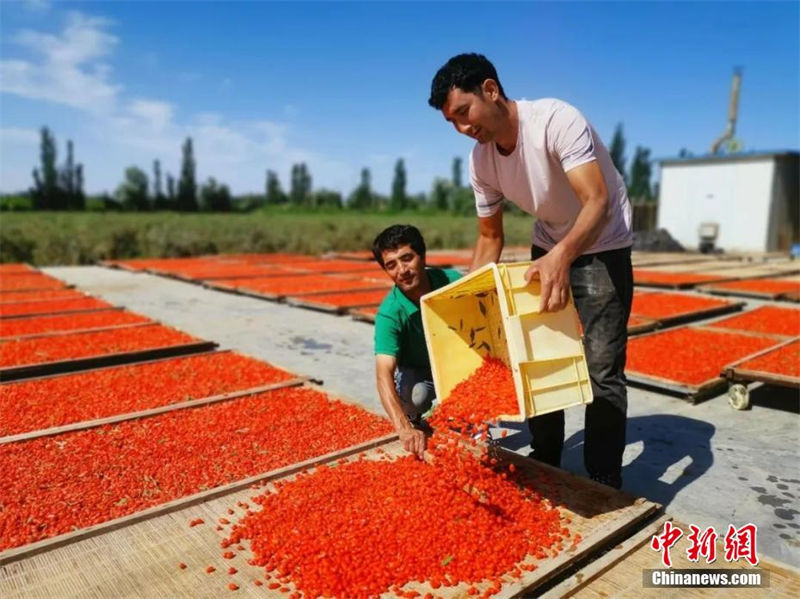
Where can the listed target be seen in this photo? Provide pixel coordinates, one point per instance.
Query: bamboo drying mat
(141, 559)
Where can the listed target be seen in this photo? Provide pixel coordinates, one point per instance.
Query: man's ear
(490, 89)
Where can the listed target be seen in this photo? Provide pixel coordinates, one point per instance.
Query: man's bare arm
(553, 269)
(490, 241)
(413, 440)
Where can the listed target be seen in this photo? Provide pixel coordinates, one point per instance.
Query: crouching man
(402, 365)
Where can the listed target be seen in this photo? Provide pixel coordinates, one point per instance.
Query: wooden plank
(138, 363)
(584, 576)
(192, 403)
(359, 314)
(735, 371)
(115, 327)
(14, 373)
(305, 301)
(311, 294)
(139, 557)
(736, 292)
(74, 294)
(700, 314)
(32, 549)
(62, 286)
(298, 302)
(647, 325)
(691, 393)
(622, 577)
(58, 313)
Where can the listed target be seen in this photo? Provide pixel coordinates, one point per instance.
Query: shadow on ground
(665, 440)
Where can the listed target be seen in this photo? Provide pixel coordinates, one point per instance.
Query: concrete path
(709, 464)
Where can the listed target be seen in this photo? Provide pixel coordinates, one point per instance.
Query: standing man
(402, 365)
(544, 156)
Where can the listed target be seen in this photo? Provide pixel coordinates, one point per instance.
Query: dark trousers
(602, 287)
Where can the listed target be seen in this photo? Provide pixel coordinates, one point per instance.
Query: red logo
(739, 543)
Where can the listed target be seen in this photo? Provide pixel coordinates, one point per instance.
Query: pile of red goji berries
(658, 305)
(362, 528)
(689, 355)
(480, 398)
(657, 277)
(306, 284)
(349, 299)
(26, 406)
(52, 306)
(328, 266)
(765, 286)
(273, 258)
(784, 361)
(765, 319)
(14, 327)
(16, 268)
(40, 350)
(52, 485)
(221, 270)
(10, 282)
(43, 294)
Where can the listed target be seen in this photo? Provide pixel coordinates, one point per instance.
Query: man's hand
(413, 440)
(552, 270)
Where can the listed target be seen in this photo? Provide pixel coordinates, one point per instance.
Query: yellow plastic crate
(495, 312)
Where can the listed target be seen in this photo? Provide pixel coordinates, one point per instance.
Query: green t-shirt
(398, 323)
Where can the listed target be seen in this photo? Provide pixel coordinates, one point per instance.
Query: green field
(62, 238)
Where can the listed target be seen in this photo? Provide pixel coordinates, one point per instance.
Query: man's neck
(506, 139)
(424, 287)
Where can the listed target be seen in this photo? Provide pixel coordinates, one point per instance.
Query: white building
(753, 198)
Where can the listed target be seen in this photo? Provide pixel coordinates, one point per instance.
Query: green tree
(79, 197)
(68, 176)
(171, 195)
(399, 198)
(462, 201)
(641, 169)
(325, 198)
(46, 192)
(440, 194)
(274, 193)
(186, 200)
(132, 192)
(361, 198)
(300, 190)
(159, 199)
(215, 197)
(617, 151)
(456, 172)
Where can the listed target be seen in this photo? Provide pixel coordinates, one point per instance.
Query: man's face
(473, 115)
(405, 267)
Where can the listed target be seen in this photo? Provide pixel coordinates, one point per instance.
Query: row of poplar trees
(61, 187)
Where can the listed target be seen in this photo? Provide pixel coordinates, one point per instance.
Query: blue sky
(343, 85)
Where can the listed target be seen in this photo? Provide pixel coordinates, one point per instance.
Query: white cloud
(68, 70)
(19, 135)
(71, 68)
(154, 115)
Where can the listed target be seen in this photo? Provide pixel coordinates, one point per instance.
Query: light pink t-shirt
(553, 138)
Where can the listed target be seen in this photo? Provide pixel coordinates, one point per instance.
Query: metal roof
(738, 157)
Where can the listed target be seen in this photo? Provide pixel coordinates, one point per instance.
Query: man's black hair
(393, 237)
(466, 72)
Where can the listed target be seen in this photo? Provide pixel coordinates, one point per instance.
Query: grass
(66, 238)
